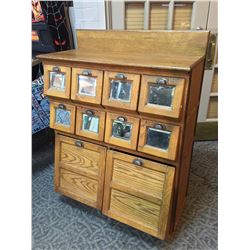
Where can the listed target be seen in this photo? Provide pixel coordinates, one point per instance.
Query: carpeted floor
(61, 223)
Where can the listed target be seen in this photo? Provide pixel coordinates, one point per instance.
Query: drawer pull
(159, 126)
(138, 162)
(79, 144)
(120, 76)
(89, 112)
(121, 118)
(56, 69)
(86, 73)
(61, 106)
(162, 81)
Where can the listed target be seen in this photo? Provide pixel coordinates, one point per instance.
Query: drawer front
(57, 81)
(87, 85)
(62, 117)
(138, 192)
(159, 139)
(90, 123)
(121, 130)
(121, 90)
(79, 170)
(161, 95)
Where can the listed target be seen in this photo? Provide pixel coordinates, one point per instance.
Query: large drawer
(138, 192)
(79, 170)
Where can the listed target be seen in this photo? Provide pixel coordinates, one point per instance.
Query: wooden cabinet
(121, 90)
(90, 123)
(159, 139)
(145, 202)
(161, 95)
(130, 120)
(79, 170)
(57, 81)
(122, 130)
(87, 85)
(62, 116)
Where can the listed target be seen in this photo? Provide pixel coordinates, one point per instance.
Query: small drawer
(62, 117)
(161, 95)
(90, 123)
(86, 85)
(79, 170)
(159, 139)
(121, 90)
(57, 81)
(138, 192)
(121, 130)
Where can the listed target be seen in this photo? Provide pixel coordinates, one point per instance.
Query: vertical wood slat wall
(134, 16)
(158, 16)
(182, 16)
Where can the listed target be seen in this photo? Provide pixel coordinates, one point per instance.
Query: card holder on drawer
(90, 123)
(62, 117)
(138, 192)
(87, 85)
(57, 81)
(161, 96)
(121, 90)
(159, 139)
(122, 130)
(79, 170)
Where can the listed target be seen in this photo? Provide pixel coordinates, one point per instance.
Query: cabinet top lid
(178, 50)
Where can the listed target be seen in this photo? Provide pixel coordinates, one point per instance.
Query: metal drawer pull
(86, 73)
(121, 118)
(61, 106)
(162, 81)
(121, 76)
(56, 69)
(79, 144)
(89, 112)
(138, 162)
(159, 126)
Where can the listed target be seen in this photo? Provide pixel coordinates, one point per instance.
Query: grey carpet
(61, 223)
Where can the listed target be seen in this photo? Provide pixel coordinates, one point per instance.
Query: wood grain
(179, 50)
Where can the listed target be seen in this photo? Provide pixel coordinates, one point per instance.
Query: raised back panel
(178, 43)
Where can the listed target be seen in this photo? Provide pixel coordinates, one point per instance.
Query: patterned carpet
(61, 223)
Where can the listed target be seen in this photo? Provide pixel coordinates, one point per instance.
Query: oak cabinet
(124, 107)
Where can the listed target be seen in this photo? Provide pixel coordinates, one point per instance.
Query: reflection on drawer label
(63, 117)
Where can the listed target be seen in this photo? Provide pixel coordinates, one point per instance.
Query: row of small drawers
(131, 190)
(158, 139)
(159, 95)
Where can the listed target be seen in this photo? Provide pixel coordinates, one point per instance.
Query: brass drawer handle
(162, 81)
(138, 162)
(121, 118)
(159, 126)
(120, 76)
(90, 112)
(56, 69)
(87, 73)
(79, 144)
(61, 106)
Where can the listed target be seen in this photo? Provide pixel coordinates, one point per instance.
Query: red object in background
(37, 13)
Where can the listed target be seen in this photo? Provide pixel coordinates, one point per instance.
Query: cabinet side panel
(182, 176)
